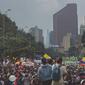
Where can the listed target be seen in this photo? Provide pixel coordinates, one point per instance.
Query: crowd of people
(12, 73)
(49, 72)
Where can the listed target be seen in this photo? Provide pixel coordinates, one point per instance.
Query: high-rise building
(66, 44)
(82, 29)
(37, 34)
(51, 38)
(65, 21)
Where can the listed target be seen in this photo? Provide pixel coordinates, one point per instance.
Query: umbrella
(82, 61)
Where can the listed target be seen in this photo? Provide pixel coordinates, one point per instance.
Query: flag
(46, 56)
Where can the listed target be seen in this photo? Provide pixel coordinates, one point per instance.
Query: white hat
(12, 78)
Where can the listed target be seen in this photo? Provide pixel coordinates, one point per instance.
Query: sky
(28, 13)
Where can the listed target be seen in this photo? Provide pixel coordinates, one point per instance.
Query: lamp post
(4, 27)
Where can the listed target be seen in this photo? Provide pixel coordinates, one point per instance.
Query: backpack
(56, 74)
(46, 73)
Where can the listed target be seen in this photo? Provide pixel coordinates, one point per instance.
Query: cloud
(48, 6)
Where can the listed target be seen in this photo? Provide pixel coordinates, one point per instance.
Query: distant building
(65, 21)
(82, 29)
(51, 38)
(47, 45)
(37, 34)
(67, 42)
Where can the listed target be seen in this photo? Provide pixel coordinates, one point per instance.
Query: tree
(83, 39)
(16, 42)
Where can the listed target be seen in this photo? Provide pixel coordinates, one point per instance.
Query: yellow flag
(46, 56)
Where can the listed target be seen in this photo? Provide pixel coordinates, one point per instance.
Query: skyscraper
(65, 21)
(51, 38)
(37, 34)
(66, 42)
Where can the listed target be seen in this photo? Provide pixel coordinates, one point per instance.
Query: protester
(44, 72)
(26, 80)
(58, 72)
(40, 74)
(82, 82)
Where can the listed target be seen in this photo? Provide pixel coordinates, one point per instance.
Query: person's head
(83, 82)
(44, 61)
(59, 60)
(50, 61)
